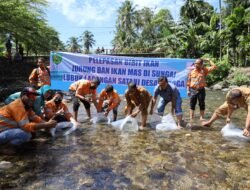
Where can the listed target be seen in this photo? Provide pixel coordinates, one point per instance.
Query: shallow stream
(100, 157)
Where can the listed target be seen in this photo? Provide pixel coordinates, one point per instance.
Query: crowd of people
(38, 107)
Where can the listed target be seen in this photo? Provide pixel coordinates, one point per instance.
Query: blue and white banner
(67, 68)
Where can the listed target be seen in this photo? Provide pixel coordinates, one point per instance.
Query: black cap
(96, 81)
(29, 90)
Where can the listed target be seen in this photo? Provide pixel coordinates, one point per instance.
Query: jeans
(162, 104)
(14, 136)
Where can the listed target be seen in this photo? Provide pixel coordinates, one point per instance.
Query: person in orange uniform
(235, 99)
(41, 75)
(18, 121)
(137, 97)
(196, 86)
(85, 93)
(58, 110)
(109, 100)
(73, 87)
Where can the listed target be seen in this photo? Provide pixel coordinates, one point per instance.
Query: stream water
(100, 157)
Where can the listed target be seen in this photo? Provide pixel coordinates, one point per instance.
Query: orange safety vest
(14, 115)
(51, 108)
(197, 78)
(73, 87)
(114, 99)
(40, 77)
(84, 90)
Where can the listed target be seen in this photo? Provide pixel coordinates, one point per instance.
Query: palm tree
(126, 24)
(88, 40)
(196, 11)
(73, 44)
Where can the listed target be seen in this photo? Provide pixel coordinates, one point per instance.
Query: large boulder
(217, 86)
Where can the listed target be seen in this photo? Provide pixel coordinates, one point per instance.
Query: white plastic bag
(167, 124)
(62, 127)
(127, 124)
(100, 118)
(230, 130)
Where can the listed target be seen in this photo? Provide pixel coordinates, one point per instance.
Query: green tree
(125, 34)
(88, 40)
(73, 44)
(196, 11)
(24, 21)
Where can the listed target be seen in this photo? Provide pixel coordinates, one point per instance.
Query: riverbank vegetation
(200, 32)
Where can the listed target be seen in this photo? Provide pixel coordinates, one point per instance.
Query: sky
(73, 17)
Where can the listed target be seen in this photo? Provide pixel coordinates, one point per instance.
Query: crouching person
(137, 97)
(18, 120)
(109, 100)
(168, 93)
(57, 110)
(235, 99)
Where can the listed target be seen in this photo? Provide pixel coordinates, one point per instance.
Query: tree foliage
(88, 41)
(200, 30)
(24, 21)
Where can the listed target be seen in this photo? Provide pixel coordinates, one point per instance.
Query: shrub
(239, 79)
(220, 73)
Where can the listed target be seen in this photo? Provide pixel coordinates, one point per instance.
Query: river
(100, 157)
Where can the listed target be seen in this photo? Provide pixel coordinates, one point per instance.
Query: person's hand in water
(134, 114)
(228, 120)
(106, 113)
(246, 132)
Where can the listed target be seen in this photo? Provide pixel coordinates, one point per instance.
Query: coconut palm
(88, 40)
(125, 34)
(196, 11)
(73, 44)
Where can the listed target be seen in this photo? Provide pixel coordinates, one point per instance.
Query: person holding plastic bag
(18, 120)
(235, 99)
(73, 87)
(137, 97)
(168, 93)
(85, 93)
(109, 100)
(57, 110)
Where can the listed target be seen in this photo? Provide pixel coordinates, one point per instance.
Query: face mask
(92, 87)
(28, 105)
(58, 100)
(49, 98)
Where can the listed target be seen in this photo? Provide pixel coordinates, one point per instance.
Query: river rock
(5, 165)
(217, 87)
(232, 87)
(225, 90)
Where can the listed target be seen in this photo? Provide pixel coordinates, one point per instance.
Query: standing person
(137, 97)
(41, 75)
(196, 86)
(85, 93)
(18, 121)
(8, 46)
(20, 50)
(168, 93)
(109, 100)
(235, 99)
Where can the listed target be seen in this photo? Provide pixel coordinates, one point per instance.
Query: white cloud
(82, 12)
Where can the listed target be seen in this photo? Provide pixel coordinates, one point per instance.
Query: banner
(66, 68)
